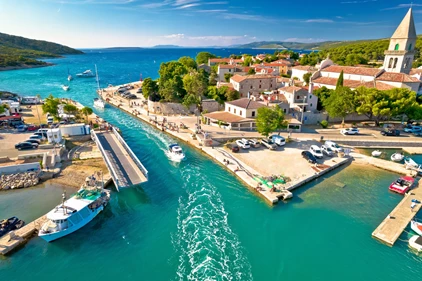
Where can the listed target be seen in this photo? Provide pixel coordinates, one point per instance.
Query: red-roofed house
(253, 84)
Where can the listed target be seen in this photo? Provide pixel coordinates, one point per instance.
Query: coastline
(25, 66)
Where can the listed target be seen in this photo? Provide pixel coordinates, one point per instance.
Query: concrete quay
(394, 224)
(238, 167)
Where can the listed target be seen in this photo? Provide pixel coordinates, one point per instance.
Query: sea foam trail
(208, 249)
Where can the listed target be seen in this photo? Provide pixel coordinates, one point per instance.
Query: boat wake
(206, 246)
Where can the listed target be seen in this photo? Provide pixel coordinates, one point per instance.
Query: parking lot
(286, 160)
(9, 138)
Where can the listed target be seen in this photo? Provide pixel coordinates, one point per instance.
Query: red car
(33, 128)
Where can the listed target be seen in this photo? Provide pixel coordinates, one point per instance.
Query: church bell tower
(401, 51)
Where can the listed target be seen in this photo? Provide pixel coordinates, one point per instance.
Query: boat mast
(96, 77)
(64, 199)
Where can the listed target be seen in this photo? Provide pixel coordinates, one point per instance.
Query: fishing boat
(397, 157)
(376, 153)
(175, 153)
(10, 224)
(416, 227)
(98, 102)
(74, 213)
(86, 74)
(415, 242)
(402, 185)
(65, 88)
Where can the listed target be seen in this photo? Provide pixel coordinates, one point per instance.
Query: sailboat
(98, 102)
(69, 77)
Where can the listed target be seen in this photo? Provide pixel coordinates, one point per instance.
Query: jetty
(394, 224)
(124, 166)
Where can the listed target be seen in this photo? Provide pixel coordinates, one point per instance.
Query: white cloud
(187, 6)
(247, 17)
(319, 21)
(401, 6)
(173, 36)
(155, 5)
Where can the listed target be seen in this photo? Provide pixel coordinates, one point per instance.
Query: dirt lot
(286, 160)
(31, 116)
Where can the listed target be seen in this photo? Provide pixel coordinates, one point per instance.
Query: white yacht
(69, 77)
(86, 73)
(98, 102)
(175, 153)
(65, 88)
(74, 213)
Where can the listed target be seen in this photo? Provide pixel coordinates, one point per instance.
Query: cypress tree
(340, 80)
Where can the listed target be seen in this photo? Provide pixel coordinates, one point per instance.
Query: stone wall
(211, 106)
(20, 168)
(310, 118)
(172, 108)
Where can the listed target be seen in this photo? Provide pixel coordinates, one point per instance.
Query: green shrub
(324, 124)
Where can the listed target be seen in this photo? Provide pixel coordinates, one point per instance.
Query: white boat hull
(414, 245)
(414, 226)
(397, 157)
(59, 234)
(376, 153)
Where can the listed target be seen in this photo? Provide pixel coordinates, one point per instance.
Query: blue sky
(108, 23)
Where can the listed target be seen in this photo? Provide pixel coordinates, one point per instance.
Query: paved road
(127, 172)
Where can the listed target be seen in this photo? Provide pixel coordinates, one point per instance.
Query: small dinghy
(175, 153)
(65, 88)
(415, 242)
(402, 185)
(376, 153)
(416, 227)
(397, 157)
(10, 224)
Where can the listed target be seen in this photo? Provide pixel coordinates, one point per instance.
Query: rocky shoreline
(25, 66)
(19, 180)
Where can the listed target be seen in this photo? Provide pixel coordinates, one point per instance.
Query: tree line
(51, 105)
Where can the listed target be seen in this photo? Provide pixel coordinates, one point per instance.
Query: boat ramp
(125, 168)
(394, 224)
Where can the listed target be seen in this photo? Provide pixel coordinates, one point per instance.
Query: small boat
(98, 102)
(411, 163)
(402, 185)
(74, 213)
(415, 242)
(10, 224)
(69, 77)
(65, 88)
(86, 74)
(175, 152)
(416, 227)
(397, 157)
(376, 153)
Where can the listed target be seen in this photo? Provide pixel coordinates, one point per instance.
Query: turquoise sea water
(195, 221)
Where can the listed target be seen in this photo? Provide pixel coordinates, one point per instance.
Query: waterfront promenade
(394, 224)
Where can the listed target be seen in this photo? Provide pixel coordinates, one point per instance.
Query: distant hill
(19, 52)
(283, 45)
(166, 47)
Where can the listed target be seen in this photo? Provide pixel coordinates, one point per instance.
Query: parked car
(22, 128)
(233, 147)
(335, 147)
(243, 144)
(316, 151)
(416, 129)
(418, 133)
(269, 144)
(33, 141)
(409, 128)
(131, 96)
(15, 123)
(254, 143)
(25, 145)
(278, 140)
(309, 157)
(43, 126)
(350, 131)
(390, 132)
(139, 91)
(327, 151)
(43, 134)
(36, 137)
(32, 128)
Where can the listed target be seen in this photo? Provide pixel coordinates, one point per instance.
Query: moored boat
(98, 102)
(397, 157)
(10, 224)
(65, 88)
(86, 74)
(175, 152)
(402, 185)
(415, 242)
(411, 163)
(416, 227)
(74, 213)
(376, 153)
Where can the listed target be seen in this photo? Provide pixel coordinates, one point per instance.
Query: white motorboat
(86, 74)
(69, 77)
(416, 227)
(74, 213)
(397, 157)
(98, 102)
(415, 242)
(411, 163)
(376, 153)
(175, 153)
(65, 88)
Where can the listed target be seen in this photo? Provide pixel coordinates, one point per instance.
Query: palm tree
(86, 111)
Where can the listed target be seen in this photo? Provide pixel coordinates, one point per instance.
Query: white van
(278, 140)
(335, 147)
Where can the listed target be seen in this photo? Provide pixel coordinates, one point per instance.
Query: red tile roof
(239, 78)
(366, 71)
(226, 66)
(304, 67)
(291, 89)
(220, 60)
(246, 103)
(352, 83)
(415, 71)
(397, 77)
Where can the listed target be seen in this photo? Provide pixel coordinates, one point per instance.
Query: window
(310, 96)
(284, 110)
(260, 86)
(240, 112)
(298, 97)
(253, 113)
(229, 108)
(311, 104)
(395, 63)
(390, 64)
(410, 47)
(241, 87)
(234, 110)
(396, 48)
(251, 86)
(271, 85)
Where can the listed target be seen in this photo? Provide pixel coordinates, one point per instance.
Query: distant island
(167, 47)
(18, 52)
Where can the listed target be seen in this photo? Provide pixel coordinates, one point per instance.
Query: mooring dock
(125, 168)
(395, 223)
